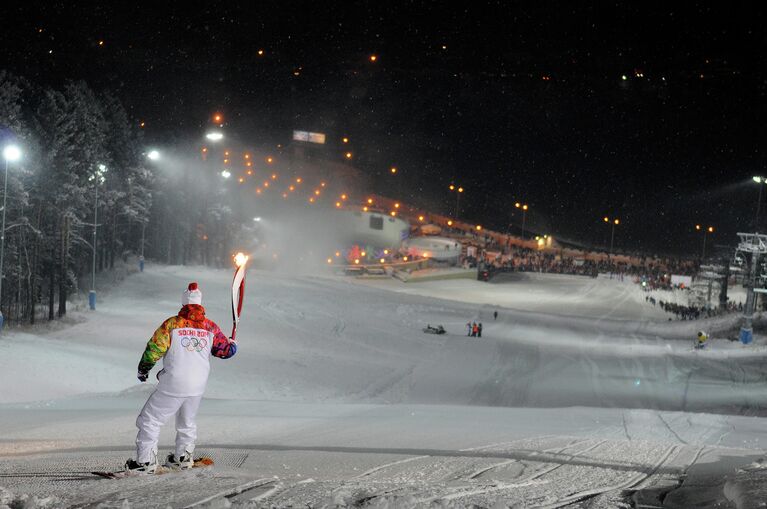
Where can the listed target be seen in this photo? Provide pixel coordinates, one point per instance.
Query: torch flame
(240, 259)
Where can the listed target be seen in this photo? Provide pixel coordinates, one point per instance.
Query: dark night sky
(515, 101)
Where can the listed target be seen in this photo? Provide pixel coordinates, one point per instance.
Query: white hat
(192, 295)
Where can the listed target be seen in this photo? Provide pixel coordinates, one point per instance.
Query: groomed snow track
(550, 472)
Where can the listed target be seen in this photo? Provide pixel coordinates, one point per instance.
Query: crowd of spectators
(505, 256)
(682, 312)
(520, 259)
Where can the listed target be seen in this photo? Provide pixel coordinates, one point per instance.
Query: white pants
(156, 412)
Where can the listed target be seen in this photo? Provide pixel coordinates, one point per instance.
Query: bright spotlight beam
(215, 136)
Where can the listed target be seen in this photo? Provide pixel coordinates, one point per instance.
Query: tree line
(65, 136)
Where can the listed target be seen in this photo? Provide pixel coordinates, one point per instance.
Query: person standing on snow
(479, 330)
(185, 343)
(468, 328)
(701, 340)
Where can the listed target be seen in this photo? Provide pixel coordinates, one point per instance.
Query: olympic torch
(238, 290)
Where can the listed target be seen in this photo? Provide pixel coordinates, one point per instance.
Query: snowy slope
(335, 379)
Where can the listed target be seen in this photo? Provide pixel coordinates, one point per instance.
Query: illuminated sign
(308, 137)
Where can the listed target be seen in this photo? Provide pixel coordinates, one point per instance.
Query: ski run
(579, 395)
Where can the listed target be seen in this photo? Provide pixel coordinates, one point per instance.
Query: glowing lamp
(11, 153)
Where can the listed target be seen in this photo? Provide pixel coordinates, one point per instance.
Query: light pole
(760, 181)
(523, 207)
(214, 136)
(11, 153)
(458, 192)
(706, 231)
(141, 257)
(153, 155)
(614, 223)
(97, 178)
(394, 171)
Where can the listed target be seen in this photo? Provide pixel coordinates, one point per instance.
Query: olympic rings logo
(194, 344)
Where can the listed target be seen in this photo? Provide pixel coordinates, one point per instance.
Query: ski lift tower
(711, 274)
(756, 245)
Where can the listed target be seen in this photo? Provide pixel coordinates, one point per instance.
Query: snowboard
(201, 462)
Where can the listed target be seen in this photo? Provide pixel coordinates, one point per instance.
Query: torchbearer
(185, 343)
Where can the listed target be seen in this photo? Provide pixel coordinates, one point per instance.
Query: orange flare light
(240, 259)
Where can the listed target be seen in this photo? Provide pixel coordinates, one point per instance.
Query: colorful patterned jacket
(198, 338)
